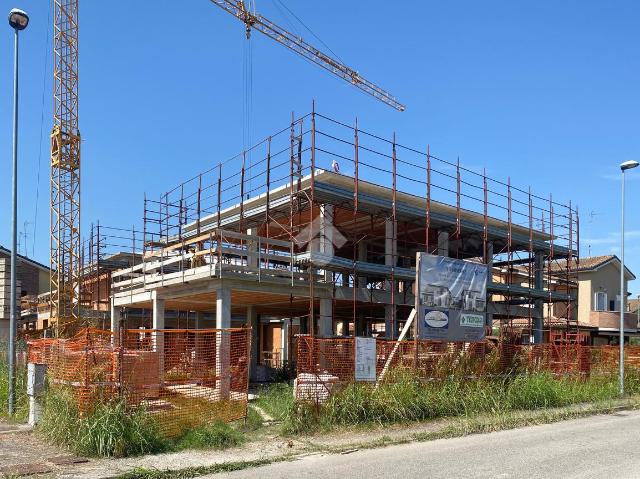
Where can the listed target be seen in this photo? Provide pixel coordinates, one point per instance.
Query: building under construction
(315, 230)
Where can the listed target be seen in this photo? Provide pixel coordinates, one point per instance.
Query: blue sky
(544, 92)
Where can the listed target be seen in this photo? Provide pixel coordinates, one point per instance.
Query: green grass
(454, 428)
(253, 421)
(189, 472)
(110, 430)
(276, 400)
(113, 429)
(22, 400)
(406, 399)
(216, 435)
(191, 412)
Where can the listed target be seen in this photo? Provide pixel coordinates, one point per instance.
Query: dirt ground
(23, 453)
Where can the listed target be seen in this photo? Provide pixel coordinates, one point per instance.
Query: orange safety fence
(326, 363)
(183, 378)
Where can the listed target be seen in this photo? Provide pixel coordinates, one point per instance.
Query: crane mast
(65, 171)
(257, 22)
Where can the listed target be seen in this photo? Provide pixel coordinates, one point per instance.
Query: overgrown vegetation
(253, 421)
(112, 429)
(22, 401)
(454, 428)
(276, 400)
(216, 435)
(407, 399)
(189, 472)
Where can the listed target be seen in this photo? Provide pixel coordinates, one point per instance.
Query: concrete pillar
(252, 322)
(199, 324)
(362, 250)
(116, 316)
(388, 321)
(252, 246)
(443, 243)
(360, 325)
(325, 236)
(389, 309)
(326, 229)
(200, 339)
(345, 327)
(388, 242)
(489, 255)
(325, 321)
(223, 340)
(284, 346)
(35, 388)
(538, 310)
(158, 337)
(158, 313)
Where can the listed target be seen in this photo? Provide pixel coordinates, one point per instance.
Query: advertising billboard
(452, 298)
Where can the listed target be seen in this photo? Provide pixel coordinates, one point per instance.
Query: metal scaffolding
(319, 178)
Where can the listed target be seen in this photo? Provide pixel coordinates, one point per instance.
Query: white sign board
(365, 359)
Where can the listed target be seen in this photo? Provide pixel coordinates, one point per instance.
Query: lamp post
(627, 165)
(18, 20)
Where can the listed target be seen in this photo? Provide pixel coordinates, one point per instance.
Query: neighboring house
(599, 299)
(32, 280)
(633, 306)
(597, 315)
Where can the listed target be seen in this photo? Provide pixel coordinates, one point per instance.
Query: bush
(112, 429)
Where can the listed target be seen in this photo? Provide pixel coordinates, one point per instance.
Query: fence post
(35, 387)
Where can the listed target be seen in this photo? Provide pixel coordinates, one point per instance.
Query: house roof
(24, 259)
(588, 264)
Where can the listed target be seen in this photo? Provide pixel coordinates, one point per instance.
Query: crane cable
(276, 2)
(247, 105)
(44, 87)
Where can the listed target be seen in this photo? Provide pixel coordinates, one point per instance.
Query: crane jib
(266, 27)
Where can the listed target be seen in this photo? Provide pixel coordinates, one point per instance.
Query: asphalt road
(596, 447)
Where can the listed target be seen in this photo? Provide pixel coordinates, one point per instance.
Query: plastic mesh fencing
(183, 378)
(324, 364)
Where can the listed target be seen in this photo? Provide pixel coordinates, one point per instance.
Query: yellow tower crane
(65, 171)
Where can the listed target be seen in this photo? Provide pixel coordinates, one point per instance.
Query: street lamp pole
(627, 165)
(18, 20)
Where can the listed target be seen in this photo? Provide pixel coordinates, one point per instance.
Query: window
(612, 305)
(601, 301)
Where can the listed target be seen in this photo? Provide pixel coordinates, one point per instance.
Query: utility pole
(627, 165)
(18, 20)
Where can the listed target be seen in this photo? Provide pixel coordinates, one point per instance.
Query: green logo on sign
(472, 320)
